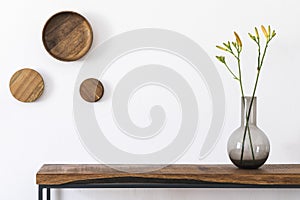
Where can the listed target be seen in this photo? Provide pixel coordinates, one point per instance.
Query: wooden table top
(275, 174)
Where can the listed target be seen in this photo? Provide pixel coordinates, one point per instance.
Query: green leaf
(256, 32)
(252, 37)
(226, 45)
(273, 33)
(221, 59)
(234, 44)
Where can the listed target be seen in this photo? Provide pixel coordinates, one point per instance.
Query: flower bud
(238, 40)
(222, 48)
(264, 31)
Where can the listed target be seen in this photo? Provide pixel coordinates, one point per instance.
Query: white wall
(43, 132)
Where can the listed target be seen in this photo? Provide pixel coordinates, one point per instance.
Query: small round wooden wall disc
(26, 85)
(67, 36)
(91, 90)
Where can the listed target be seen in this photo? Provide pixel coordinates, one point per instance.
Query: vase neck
(245, 107)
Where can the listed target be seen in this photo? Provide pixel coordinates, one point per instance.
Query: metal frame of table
(154, 185)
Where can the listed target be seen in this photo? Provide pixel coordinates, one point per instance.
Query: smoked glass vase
(248, 147)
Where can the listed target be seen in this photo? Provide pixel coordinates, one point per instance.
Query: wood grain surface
(67, 36)
(266, 175)
(26, 85)
(91, 90)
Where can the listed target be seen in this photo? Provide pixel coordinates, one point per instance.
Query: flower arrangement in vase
(248, 146)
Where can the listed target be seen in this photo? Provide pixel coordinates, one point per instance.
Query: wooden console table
(172, 176)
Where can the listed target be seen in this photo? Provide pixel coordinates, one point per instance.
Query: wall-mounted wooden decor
(67, 36)
(26, 85)
(91, 90)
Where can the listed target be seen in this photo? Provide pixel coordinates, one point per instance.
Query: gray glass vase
(250, 148)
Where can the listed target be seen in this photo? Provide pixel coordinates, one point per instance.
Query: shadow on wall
(49, 85)
(101, 29)
(57, 194)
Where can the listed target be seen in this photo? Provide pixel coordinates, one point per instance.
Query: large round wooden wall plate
(67, 36)
(26, 85)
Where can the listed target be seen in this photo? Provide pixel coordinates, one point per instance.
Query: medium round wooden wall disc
(67, 36)
(91, 90)
(26, 85)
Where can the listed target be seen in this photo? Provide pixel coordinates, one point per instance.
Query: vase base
(249, 164)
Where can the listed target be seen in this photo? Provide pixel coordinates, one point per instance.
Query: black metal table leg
(48, 194)
(40, 192)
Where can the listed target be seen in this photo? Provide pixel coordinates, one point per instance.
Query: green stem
(248, 116)
(240, 77)
(243, 97)
(251, 144)
(258, 63)
(264, 54)
(252, 99)
(234, 76)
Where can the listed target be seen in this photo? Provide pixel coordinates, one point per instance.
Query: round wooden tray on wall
(91, 90)
(67, 36)
(26, 85)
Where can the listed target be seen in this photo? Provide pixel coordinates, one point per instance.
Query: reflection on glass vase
(248, 148)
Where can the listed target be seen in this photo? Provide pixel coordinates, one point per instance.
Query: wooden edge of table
(275, 174)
